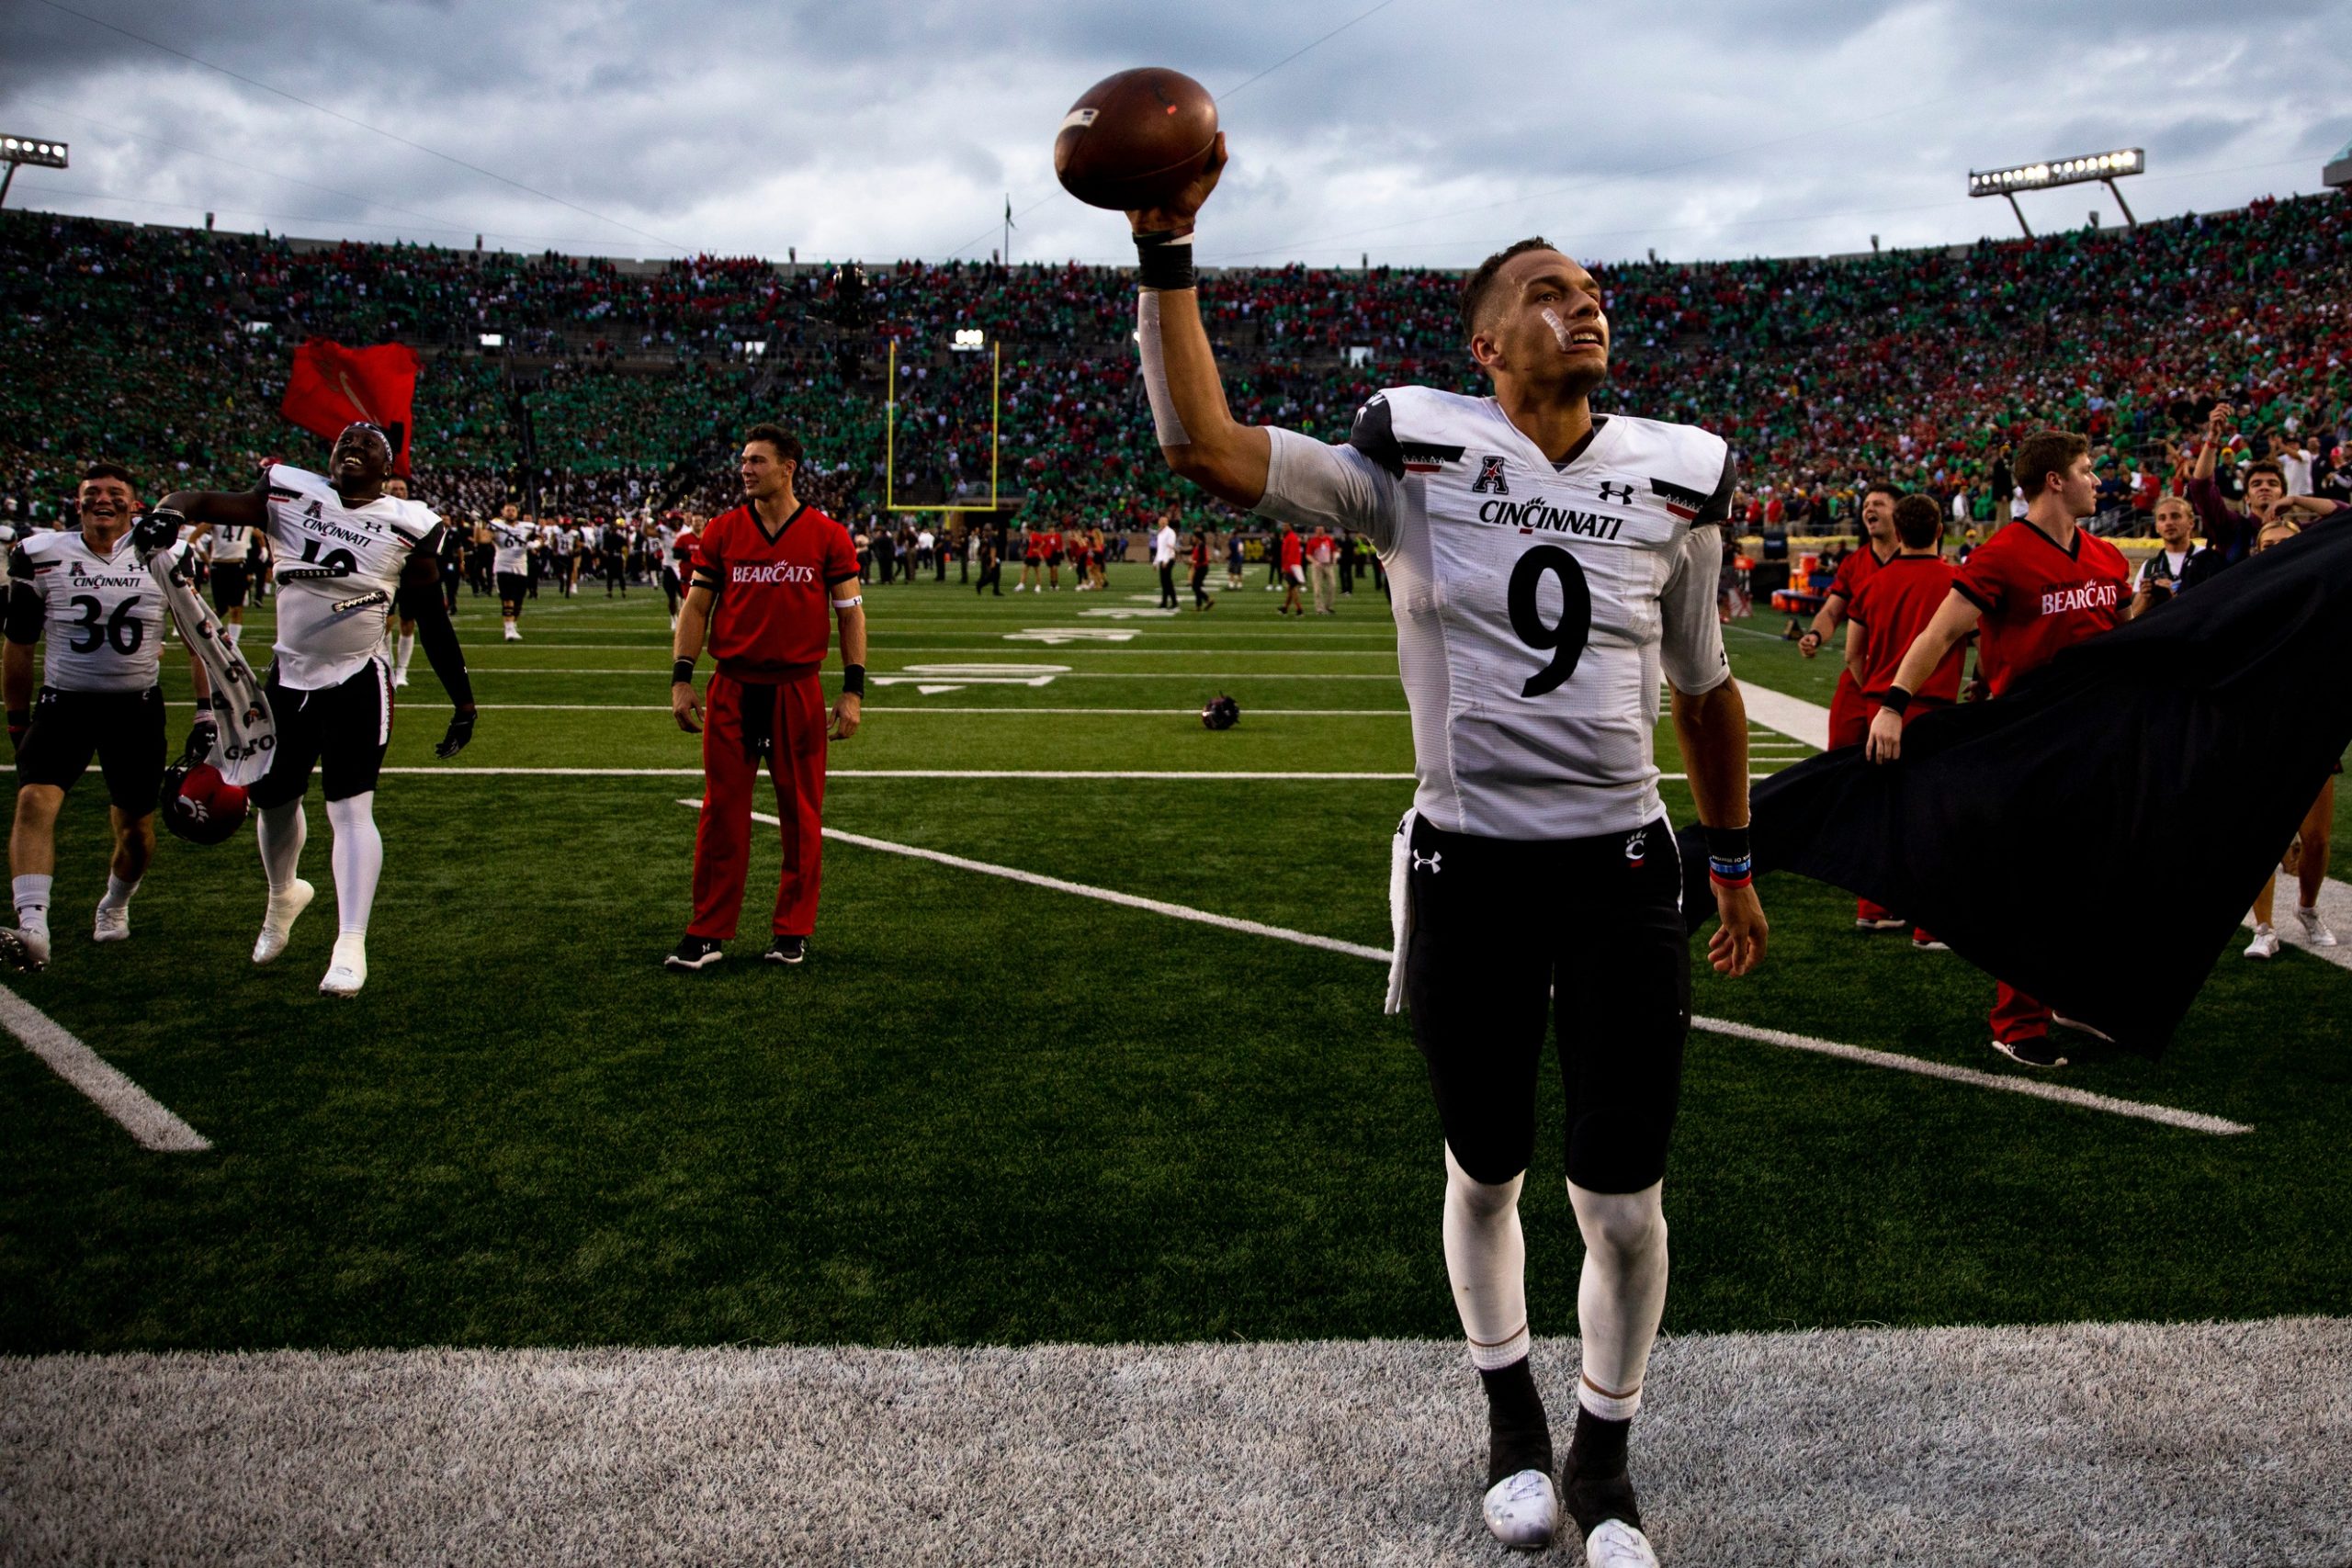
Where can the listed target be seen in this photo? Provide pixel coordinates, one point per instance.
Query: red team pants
(795, 722)
(1849, 725)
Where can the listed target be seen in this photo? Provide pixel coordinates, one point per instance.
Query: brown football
(1133, 139)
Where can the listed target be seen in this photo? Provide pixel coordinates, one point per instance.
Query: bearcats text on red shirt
(771, 619)
(2038, 598)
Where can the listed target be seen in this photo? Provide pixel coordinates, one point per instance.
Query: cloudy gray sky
(1427, 132)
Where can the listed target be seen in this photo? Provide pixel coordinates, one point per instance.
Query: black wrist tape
(1895, 701)
(1164, 260)
(681, 672)
(852, 680)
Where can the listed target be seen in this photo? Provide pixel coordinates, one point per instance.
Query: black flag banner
(2153, 774)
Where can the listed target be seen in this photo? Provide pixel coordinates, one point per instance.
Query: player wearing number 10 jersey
(346, 552)
(1547, 567)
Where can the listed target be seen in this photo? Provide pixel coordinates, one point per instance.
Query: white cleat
(24, 949)
(1616, 1544)
(348, 970)
(1523, 1510)
(399, 678)
(2315, 930)
(277, 920)
(2264, 943)
(113, 923)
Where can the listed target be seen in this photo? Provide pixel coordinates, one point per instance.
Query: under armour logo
(1427, 862)
(1622, 494)
(1490, 480)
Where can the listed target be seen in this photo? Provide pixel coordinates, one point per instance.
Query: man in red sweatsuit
(764, 576)
(2040, 585)
(1888, 613)
(1850, 716)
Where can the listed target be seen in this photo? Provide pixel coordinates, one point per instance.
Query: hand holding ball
(1144, 142)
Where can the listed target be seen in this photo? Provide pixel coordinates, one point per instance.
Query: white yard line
(133, 1107)
(2188, 1120)
(1792, 716)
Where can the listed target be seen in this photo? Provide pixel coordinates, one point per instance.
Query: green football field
(992, 1110)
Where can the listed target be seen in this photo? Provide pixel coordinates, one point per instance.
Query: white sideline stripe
(134, 1108)
(2190, 1120)
(1792, 716)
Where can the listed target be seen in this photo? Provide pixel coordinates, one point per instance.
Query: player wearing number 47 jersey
(1547, 567)
(346, 551)
(89, 597)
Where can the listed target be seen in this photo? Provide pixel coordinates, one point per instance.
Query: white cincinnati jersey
(228, 544)
(331, 624)
(1537, 604)
(102, 616)
(511, 545)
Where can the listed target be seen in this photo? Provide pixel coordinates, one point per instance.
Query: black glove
(158, 528)
(203, 738)
(461, 729)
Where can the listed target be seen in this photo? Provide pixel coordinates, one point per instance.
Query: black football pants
(1589, 930)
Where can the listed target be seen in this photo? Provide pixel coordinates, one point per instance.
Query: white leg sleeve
(358, 860)
(1621, 1295)
(282, 829)
(1486, 1258)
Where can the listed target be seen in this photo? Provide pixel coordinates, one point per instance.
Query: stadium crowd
(617, 386)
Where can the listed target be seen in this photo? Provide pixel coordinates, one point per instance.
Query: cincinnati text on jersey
(1538, 514)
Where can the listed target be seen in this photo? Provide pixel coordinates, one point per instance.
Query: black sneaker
(2034, 1052)
(788, 950)
(695, 953)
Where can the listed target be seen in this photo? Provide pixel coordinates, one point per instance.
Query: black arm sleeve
(25, 610)
(1374, 434)
(425, 607)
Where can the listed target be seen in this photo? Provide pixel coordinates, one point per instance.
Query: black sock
(1519, 1437)
(1598, 1449)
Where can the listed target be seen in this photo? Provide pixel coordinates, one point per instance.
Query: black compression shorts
(514, 587)
(1587, 929)
(228, 586)
(124, 729)
(341, 730)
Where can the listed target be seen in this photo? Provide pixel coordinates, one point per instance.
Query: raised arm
(242, 508)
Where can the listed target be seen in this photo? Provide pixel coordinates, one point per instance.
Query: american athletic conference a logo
(1490, 480)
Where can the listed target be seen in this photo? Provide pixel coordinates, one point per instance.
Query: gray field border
(2082, 1444)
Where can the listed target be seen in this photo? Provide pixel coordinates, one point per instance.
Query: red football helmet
(200, 806)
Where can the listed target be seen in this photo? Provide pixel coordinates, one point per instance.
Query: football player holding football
(1550, 568)
(347, 553)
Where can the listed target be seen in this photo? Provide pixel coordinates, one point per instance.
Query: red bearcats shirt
(1889, 612)
(2038, 598)
(1857, 568)
(773, 614)
(1291, 552)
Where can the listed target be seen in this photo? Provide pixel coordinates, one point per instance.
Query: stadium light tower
(2105, 168)
(15, 150)
(2338, 171)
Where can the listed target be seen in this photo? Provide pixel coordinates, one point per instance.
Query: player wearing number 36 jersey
(1547, 567)
(347, 554)
(90, 599)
